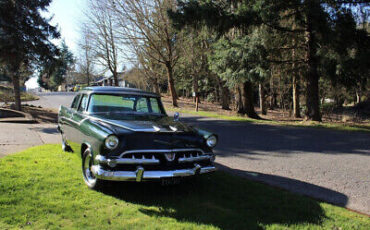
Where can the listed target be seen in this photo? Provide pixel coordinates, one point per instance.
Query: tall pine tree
(24, 37)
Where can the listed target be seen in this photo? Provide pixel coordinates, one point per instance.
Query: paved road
(53, 100)
(330, 165)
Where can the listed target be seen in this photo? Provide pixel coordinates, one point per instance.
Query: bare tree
(85, 62)
(146, 30)
(102, 26)
(151, 70)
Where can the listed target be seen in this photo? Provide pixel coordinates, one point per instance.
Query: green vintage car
(124, 134)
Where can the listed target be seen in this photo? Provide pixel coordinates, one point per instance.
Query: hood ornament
(170, 156)
(173, 128)
(156, 128)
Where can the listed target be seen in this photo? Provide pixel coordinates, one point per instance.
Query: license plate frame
(170, 181)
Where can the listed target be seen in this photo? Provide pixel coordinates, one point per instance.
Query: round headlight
(111, 142)
(212, 141)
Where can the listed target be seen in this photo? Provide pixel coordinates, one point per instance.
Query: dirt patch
(41, 115)
(38, 114)
(7, 113)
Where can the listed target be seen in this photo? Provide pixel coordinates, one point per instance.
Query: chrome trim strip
(149, 130)
(112, 123)
(160, 151)
(192, 159)
(70, 120)
(102, 159)
(75, 122)
(148, 175)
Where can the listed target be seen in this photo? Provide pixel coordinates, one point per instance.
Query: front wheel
(65, 146)
(87, 162)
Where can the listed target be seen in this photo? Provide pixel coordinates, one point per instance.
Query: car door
(77, 117)
(68, 118)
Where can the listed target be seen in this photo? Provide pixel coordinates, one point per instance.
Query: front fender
(93, 135)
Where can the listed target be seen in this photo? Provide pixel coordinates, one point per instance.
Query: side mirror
(176, 116)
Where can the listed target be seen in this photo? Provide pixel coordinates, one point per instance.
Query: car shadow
(244, 138)
(223, 200)
(292, 185)
(46, 130)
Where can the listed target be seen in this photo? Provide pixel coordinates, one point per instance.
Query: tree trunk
(323, 98)
(239, 104)
(272, 93)
(156, 86)
(280, 93)
(171, 84)
(295, 81)
(247, 100)
(196, 103)
(262, 99)
(225, 98)
(312, 87)
(358, 96)
(115, 78)
(88, 79)
(312, 96)
(195, 88)
(296, 106)
(17, 92)
(224, 94)
(217, 94)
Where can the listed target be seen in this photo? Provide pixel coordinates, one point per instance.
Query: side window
(155, 105)
(83, 104)
(75, 102)
(142, 105)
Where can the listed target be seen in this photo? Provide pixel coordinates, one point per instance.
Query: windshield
(125, 104)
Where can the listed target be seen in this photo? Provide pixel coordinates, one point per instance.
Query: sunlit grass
(42, 188)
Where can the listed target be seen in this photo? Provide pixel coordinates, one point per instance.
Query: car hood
(160, 133)
(161, 124)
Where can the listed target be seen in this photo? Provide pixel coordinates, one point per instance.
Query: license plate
(170, 181)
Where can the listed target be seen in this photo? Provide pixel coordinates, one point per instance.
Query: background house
(109, 81)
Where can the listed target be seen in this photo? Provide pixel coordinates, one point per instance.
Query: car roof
(118, 90)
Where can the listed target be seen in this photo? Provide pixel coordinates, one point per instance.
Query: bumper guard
(141, 175)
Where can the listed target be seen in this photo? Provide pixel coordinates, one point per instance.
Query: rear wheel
(87, 162)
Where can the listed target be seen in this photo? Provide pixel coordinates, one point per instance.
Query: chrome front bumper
(141, 175)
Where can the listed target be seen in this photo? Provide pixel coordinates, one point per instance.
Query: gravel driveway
(330, 165)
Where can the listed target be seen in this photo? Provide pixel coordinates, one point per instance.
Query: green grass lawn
(335, 126)
(42, 188)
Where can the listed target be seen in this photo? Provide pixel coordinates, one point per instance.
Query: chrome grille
(156, 157)
(192, 157)
(181, 157)
(140, 158)
(126, 160)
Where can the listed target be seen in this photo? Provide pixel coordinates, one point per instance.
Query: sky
(68, 15)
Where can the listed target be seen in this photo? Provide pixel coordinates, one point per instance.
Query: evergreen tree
(54, 70)
(311, 28)
(24, 37)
